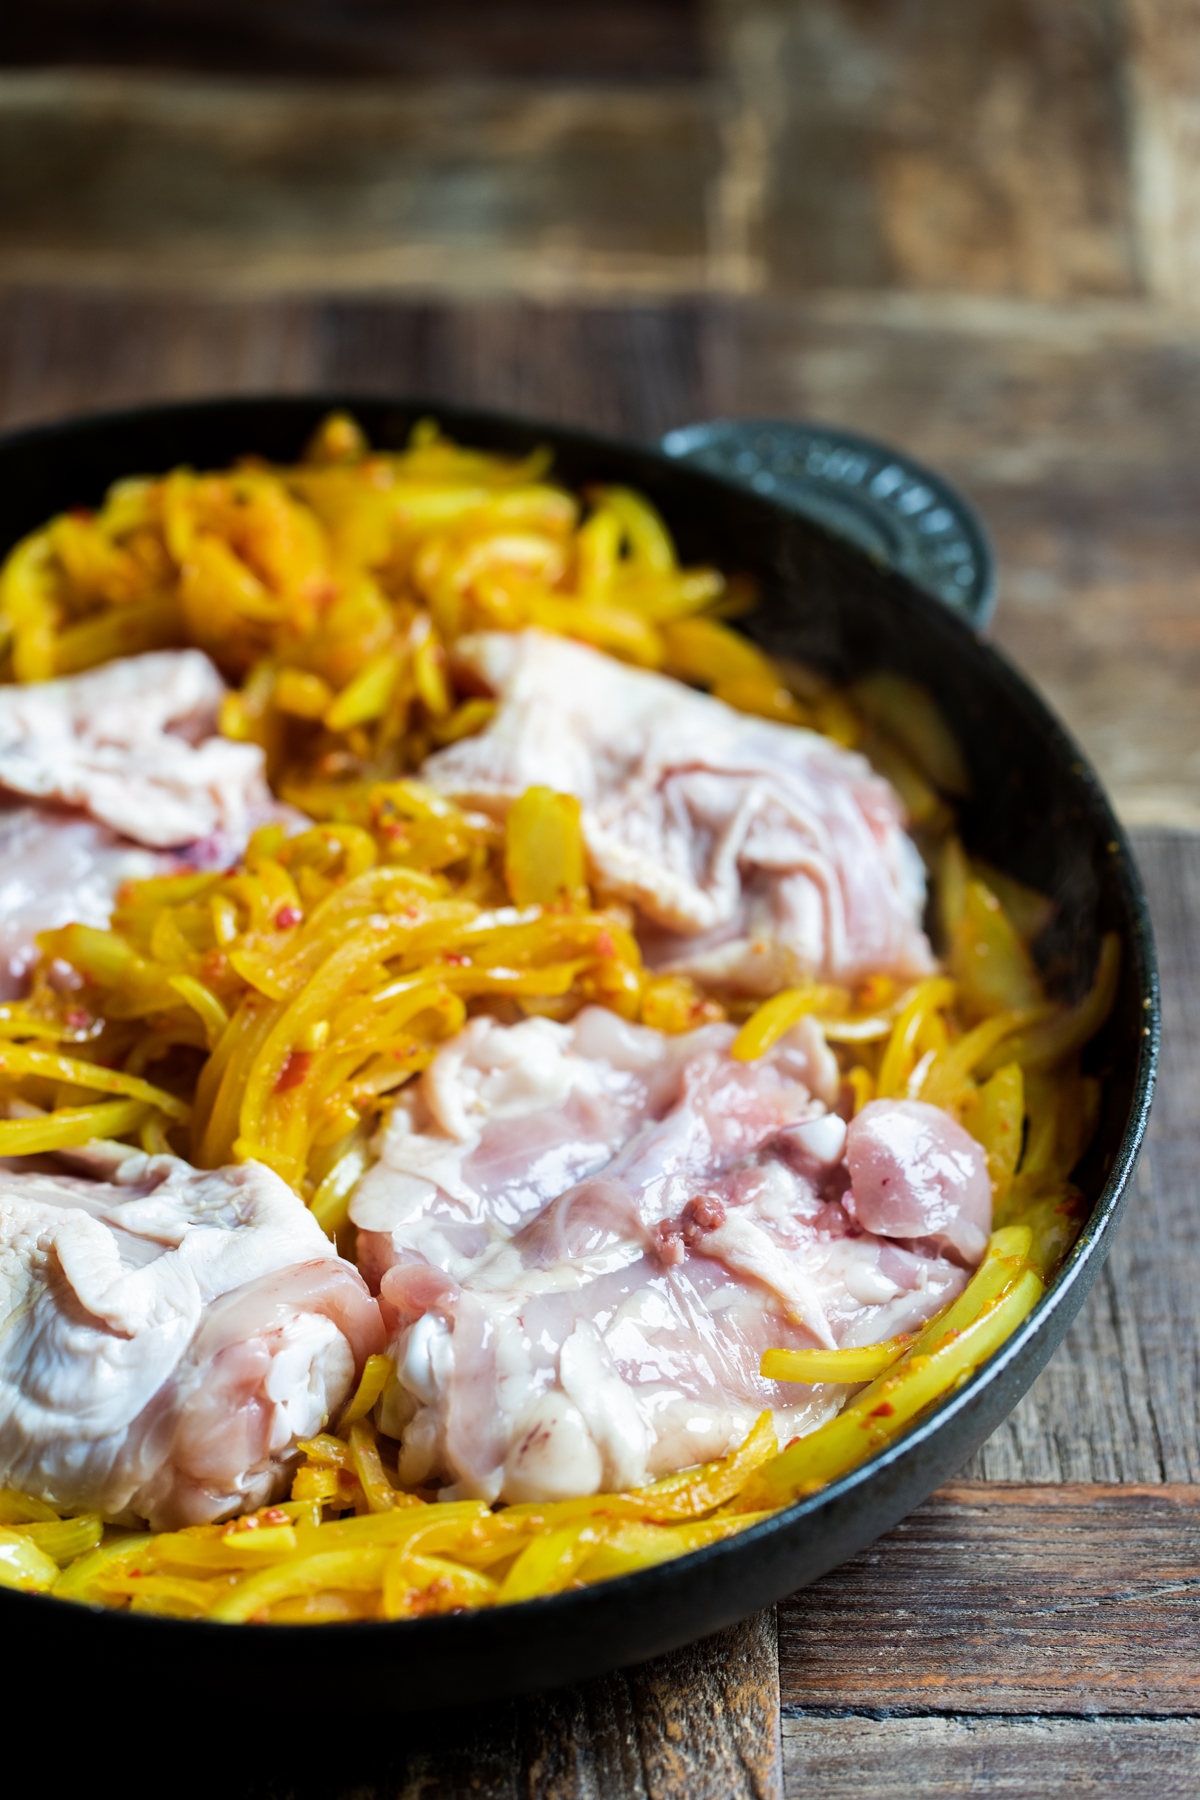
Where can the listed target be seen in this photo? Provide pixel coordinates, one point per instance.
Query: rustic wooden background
(1043, 149)
(974, 230)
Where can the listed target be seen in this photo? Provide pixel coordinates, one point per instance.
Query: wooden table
(1032, 1629)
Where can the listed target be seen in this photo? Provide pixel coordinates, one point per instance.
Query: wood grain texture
(635, 371)
(972, 147)
(849, 1758)
(474, 186)
(701, 1723)
(632, 370)
(63, 352)
(1073, 1599)
(936, 146)
(1163, 61)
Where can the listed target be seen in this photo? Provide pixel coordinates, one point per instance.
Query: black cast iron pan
(1038, 813)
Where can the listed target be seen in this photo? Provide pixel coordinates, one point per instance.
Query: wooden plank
(983, 148)
(469, 187)
(1163, 62)
(1010, 1599)
(635, 371)
(63, 352)
(1029, 1759)
(707, 1717)
(976, 148)
(702, 1722)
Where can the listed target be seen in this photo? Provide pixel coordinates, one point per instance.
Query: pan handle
(899, 513)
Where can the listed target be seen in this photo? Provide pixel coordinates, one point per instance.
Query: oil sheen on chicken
(128, 779)
(757, 854)
(133, 744)
(55, 868)
(584, 1236)
(167, 1335)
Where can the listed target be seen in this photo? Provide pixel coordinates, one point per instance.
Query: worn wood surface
(1077, 432)
(934, 146)
(1044, 148)
(465, 185)
(1010, 1599)
(702, 1723)
(843, 1757)
(636, 370)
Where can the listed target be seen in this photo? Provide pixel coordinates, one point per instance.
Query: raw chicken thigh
(759, 854)
(56, 868)
(125, 761)
(585, 1236)
(167, 1335)
(134, 745)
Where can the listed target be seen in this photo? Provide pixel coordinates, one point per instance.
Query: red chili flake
(457, 960)
(77, 1019)
(606, 944)
(275, 1515)
(294, 1070)
(884, 1411)
(410, 911)
(790, 1442)
(287, 916)
(214, 964)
